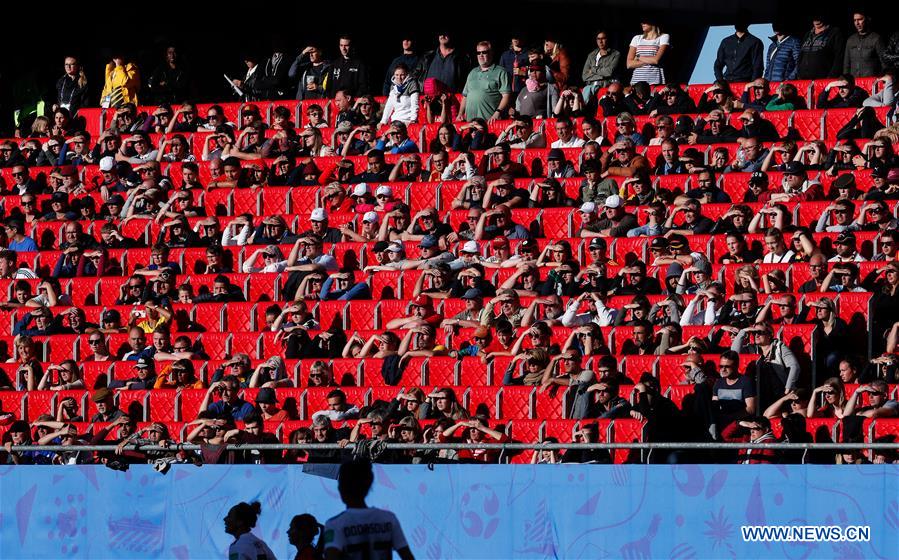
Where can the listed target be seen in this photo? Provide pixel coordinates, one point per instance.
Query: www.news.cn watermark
(805, 533)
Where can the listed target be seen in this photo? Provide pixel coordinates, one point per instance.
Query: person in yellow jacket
(122, 83)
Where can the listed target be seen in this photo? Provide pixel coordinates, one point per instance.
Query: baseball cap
(396, 247)
(470, 247)
(344, 126)
(794, 168)
(613, 201)
(846, 238)
(266, 395)
(384, 190)
(555, 154)
(758, 177)
(143, 363)
(422, 301)
(427, 242)
(116, 200)
(678, 241)
(111, 316)
(380, 246)
(360, 190)
(659, 243)
(880, 172)
(370, 217)
(59, 196)
(472, 293)
(500, 241)
(107, 163)
(588, 207)
(318, 215)
(598, 243)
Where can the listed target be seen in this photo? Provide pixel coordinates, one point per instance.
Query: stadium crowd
(489, 251)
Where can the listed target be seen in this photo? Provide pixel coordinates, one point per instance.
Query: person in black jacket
(848, 95)
(170, 82)
(672, 100)
(821, 52)
(271, 81)
(740, 54)
(346, 72)
(71, 88)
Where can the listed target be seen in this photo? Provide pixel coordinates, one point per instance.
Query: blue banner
(457, 511)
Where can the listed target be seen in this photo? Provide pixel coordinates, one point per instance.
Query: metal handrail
(487, 446)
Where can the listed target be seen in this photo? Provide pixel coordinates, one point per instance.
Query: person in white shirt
(402, 102)
(778, 252)
(338, 409)
(246, 546)
(600, 314)
(362, 531)
(567, 138)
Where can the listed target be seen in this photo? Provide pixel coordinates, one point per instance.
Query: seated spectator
(230, 406)
(693, 220)
(756, 429)
(338, 408)
(475, 431)
(787, 99)
(881, 405)
(616, 221)
(396, 140)
(848, 95)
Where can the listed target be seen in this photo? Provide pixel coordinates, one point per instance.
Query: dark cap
(598, 243)
(758, 178)
(380, 246)
(845, 238)
(266, 395)
(678, 241)
(428, 241)
(111, 316)
(472, 293)
(59, 196)
(794, 168)
(659, 243)
(556, 154)
(116, 199)
(880, 172)
(144, 363)
(845, 181)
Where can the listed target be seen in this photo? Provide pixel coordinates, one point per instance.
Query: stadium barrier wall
(455, 511)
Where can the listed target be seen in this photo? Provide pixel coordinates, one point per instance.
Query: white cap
(370, 217)
(384, 190)
(396, 247)
(613, 201)
(107, 163)
(360, 190)
(318, 215)
(470, 247)
(588, 207)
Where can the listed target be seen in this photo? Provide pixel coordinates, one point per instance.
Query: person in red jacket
(755, 429)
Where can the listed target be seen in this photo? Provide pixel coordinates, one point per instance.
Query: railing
(487, 446)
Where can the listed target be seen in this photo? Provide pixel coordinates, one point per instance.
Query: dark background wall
(212, 39)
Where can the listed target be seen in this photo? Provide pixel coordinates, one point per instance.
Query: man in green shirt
(488, 90)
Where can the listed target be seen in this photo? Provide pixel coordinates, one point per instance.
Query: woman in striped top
(645, 53)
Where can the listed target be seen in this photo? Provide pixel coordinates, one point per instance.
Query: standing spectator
(487, 93)
(308, 71)
(170, 82)
(601, 66)
(741, 55)
(538, 97)
(645, 54)
(515, 62)
(346, 72)
(558, 61)
(864, 49)
(446, 65)
(409, 59)
(122, 83)
(821, 53)
(890, 56)
(71, 88)
(782, 62)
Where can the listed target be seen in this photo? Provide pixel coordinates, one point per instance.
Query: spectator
(601, 66)
(122, 83)
(756, 429)
(338, 408)
(821, 52)
(487, 93)
(347, 73)
(740, 53)
(849, 95)
(646, 52)
(881, 405)
(107, 411)
(538, 98)
(475, 430)
(864, 49)
(71, 87)
(782, 62)
(308, 71)
(402, 101)
(734, 393)
(230, 406)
